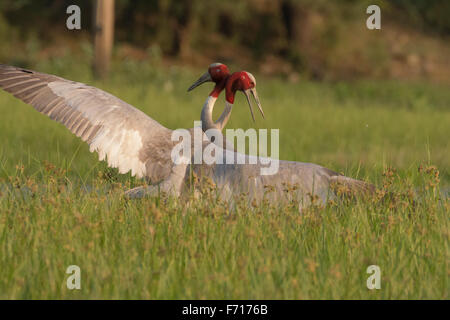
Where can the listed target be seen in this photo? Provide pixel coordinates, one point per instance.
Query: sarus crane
(132, 141)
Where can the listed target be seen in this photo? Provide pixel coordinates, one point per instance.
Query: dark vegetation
(318, 39)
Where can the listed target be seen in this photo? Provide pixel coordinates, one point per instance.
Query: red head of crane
(217, 73)
(242, 81)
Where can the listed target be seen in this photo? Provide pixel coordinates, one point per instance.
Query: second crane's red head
(217, 73)
(242, 81)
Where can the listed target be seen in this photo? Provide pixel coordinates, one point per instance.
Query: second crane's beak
(206, 77)
(255, 96)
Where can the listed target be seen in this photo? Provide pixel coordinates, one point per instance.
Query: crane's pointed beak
(255, 96)
(204, 78)
(258, 103)
(247, 95)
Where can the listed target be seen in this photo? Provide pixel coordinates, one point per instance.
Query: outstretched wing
(124, 135)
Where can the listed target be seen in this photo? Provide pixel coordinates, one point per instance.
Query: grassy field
(59, 206)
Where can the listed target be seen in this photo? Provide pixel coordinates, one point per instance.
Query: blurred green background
(316, 39)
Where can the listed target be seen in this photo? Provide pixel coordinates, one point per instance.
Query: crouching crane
(307, 181)
(132, 141)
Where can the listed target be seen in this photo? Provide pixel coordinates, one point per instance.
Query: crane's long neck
(206, 116)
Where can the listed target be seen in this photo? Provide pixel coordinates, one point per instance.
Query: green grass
(199, 248)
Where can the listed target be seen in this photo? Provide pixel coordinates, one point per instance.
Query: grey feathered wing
(128, 138)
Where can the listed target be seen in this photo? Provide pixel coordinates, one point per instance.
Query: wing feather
(125, 136)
